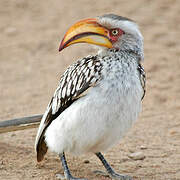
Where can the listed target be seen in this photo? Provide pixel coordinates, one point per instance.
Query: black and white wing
(142, 78)
(74, 83)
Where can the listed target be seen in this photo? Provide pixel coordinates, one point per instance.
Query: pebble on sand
(137, 156)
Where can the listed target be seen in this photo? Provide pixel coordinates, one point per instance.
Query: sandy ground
(30, 66)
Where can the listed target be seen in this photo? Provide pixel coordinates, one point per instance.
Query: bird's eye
(114, 32)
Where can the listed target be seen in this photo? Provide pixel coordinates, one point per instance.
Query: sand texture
(30, 66)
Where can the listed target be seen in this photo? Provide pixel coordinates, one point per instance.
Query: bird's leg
(67, 173)
(110, 171)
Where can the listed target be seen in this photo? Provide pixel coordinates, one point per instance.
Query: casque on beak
(86, 31)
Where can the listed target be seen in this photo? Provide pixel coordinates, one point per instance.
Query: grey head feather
(131, 40)
(116, 17)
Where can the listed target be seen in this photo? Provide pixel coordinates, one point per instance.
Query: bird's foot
(113, 175)
(120, 176)
(101, 173)
(110, 172)
(67, 174)
(61, 177)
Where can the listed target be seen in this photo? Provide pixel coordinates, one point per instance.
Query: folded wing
(74, 84)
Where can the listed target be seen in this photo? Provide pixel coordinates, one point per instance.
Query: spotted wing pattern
(142, 78)
(76, 80)
(74, 83)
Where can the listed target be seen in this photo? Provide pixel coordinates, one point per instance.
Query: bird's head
(109, 31)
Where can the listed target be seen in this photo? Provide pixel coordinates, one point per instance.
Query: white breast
(102, 117)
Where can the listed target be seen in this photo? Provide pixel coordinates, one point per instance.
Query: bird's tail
(40, 144)
(41, 149)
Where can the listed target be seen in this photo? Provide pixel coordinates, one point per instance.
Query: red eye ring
(116, 32)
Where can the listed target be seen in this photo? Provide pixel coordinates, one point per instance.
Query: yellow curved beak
(86, 31)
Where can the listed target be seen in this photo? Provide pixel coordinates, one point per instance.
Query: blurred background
(30, 67)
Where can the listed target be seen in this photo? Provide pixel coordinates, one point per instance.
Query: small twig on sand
(20, 123)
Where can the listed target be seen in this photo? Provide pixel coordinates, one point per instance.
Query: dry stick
(20, 123)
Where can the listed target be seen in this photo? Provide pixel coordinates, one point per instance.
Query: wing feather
(142, 78)
(74, 83)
